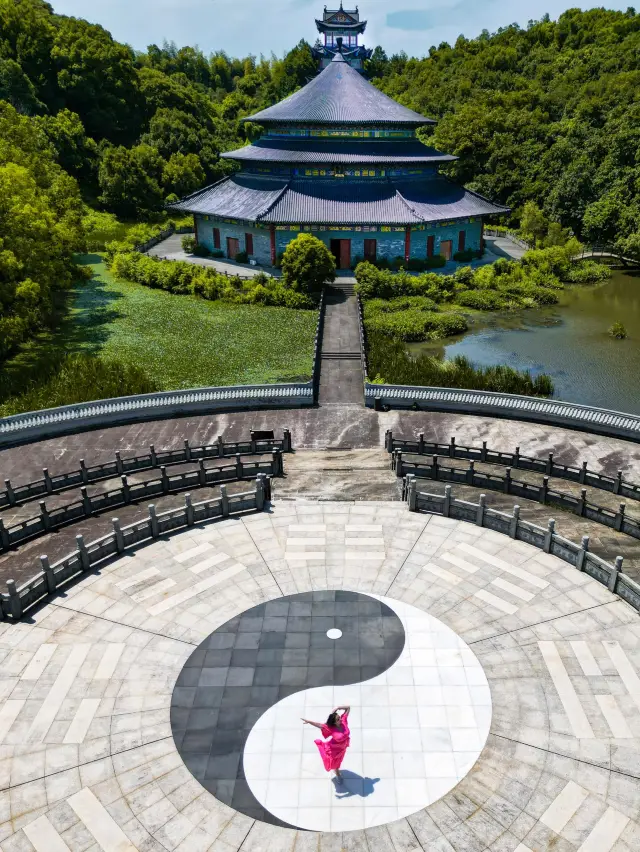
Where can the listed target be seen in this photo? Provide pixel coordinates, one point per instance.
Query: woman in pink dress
(336, 731)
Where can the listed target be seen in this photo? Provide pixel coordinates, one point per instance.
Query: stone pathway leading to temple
(341, 378)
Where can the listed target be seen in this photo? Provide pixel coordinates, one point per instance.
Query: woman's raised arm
(309, 722)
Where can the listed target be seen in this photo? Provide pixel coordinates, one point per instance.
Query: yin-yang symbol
(420, 710)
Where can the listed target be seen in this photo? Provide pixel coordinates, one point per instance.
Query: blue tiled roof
(317, 151)
(339, 95)
(353, 202)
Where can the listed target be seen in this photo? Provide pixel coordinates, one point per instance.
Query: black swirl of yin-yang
(260, 657)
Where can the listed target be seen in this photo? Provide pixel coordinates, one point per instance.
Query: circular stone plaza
(155, 672)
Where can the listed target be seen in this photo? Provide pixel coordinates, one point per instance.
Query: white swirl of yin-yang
(416, 730)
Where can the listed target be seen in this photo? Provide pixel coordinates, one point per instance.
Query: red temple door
(446, 249)
(233, 247)
(371, 250)
(345, 254)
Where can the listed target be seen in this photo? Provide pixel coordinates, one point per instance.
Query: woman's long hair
(333, 720)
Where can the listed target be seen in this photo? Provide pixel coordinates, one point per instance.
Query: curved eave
(325, 26)
(325, 156)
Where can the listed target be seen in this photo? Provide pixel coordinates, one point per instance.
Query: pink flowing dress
(333, 751)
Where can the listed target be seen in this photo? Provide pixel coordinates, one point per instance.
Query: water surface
(569, 341)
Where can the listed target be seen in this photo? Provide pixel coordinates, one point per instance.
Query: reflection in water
(569, 341)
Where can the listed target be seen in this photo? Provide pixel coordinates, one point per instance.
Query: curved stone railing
(547, 539)
(516, 460)
(552, 412)
(580, 506)
(18, 601)
(51, 422)
(154, 459)
(90, 506)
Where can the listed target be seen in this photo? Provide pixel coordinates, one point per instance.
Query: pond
(568, 341)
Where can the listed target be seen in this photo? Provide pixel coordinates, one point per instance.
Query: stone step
(341, 356)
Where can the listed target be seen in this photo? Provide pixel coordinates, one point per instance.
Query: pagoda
(341, 29)
(341, 160)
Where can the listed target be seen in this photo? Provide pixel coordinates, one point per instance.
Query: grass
(179, 341)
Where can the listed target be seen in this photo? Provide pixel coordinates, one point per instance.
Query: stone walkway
(89, 739)
(341, 379)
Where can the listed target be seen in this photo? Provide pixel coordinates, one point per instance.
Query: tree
(131, 181)
(307, 264)
(75, 151)
(183, 174)
(533, 224)
(17, 88)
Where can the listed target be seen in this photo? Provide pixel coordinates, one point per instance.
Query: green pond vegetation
(153, 340)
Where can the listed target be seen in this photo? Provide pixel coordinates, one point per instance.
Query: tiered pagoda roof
(340, 95)
(404, 190)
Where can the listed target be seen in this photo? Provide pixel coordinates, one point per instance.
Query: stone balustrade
(548, 466)
(19, 601)
(49, 521)
(580, 506)
(15, 495)
(513, 526)
(552, 412)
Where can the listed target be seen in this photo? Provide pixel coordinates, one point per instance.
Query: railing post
(388, 441)
(118, 534)
(259, 492)
(4, 536)
(615, 573)
(412, 495)
(434, 468)
(224, 498)
(15, 603)
(480, 512)
(286, 441)
(471, 472)
(483, 452)
(582, 478)
(126, 490)
(513, 523)
(11, 497)
(119, 465)
(154, 457)
(48, 484)
(202, 472)
(44, 516)
(452, 447)
(550, 464)
(165, 479)
(544, 490)
(252, 445)
(85, 562)
(239, 466)
(220, 447)
(187, 450)
(446, 506)
(617, 485)
(619, 522)
(516, 458)
(548, 536)
(421, 444)
(47, 570)
(507, 481)
(582, 502)
(398, 458)
(267, 489)
(153, 521)
(582, 553)
(278, 463)
(84, 475)
(189, 510)
(86, 502)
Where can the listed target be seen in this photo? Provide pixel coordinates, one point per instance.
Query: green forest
(96, 137)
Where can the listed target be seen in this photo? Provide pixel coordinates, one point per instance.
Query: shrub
(481, 300)
(618, 331)
(415, 325)
(435, 262)
(216, 253)
(307, 264)
(81, 378)
(242, 257)
(201, 250)
(188, 243)
(401, 303)
(587, 272)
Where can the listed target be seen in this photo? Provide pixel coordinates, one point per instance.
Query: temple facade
(341, 29)
(341, 160)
